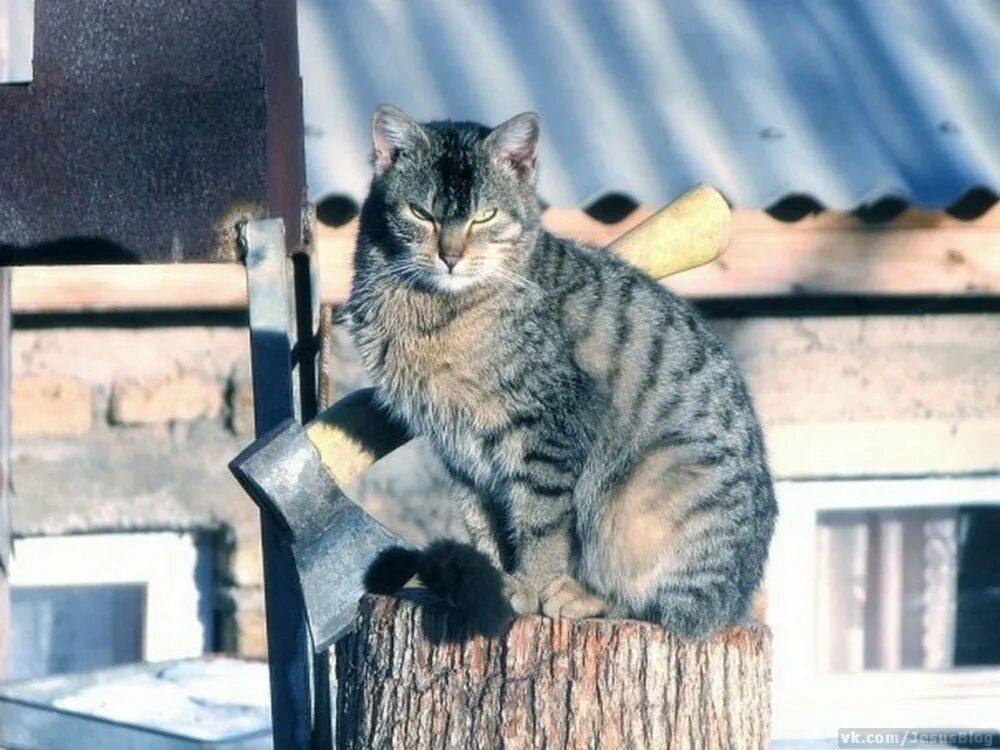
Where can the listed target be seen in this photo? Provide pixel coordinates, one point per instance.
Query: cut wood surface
(552, 684)
(919, 253)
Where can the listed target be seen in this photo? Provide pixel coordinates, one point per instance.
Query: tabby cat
(601, 440)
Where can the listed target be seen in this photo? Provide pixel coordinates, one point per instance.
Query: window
(17, 35)
(907, 588)
(96, 600)
(884, 600)
(60, 629)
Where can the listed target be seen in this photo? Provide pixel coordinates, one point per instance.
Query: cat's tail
(456, 572)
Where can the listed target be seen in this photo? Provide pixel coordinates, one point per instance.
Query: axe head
(333, 541)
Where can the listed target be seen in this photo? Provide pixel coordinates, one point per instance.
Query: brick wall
(132, 429)
(124, 430)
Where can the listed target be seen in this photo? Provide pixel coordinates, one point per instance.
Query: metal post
(306, 356)
(306, 352)
(273, 326)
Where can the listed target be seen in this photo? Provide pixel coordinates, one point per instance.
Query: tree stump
(404, 680)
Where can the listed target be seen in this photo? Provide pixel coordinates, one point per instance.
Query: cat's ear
(393, 132)
(515, 143)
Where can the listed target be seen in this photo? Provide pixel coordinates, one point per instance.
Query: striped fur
(601, 439)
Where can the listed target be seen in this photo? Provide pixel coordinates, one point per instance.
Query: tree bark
(404, 683)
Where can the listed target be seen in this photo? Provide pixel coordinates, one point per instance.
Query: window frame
(166, 563)
(812, 703)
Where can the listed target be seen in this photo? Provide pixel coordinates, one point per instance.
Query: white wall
(161, 596)
(17, 34)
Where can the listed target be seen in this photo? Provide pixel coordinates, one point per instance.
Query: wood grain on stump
(548, 684)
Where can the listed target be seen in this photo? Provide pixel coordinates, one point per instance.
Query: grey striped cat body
(601, 439)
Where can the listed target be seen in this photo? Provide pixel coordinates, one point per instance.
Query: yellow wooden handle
(353, 434)
(687, 233)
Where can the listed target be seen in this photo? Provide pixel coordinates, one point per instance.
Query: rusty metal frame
(150, 130)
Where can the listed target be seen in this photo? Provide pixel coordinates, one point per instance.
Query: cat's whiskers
(517, 280)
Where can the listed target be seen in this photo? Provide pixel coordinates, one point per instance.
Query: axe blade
(333, 540)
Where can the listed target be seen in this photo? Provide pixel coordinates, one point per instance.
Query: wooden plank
(921, 253)
(947, 261)
(145, 287)
(933, 255)
(912, 447)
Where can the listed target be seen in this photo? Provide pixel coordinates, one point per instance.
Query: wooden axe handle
(687, 233)
(355, 432)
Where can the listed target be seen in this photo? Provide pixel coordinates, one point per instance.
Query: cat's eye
(483, 216)
(420, 213)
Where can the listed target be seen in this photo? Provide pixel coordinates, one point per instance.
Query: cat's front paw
(523, 596)
(567, 597)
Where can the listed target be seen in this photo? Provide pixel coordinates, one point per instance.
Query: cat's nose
(451, 246)
(450, 259)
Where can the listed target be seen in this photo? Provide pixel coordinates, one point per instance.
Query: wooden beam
(950, 261)
(134, 287)
(919, 253)
(904, 447)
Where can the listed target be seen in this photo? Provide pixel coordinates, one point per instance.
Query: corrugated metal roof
(845, 101)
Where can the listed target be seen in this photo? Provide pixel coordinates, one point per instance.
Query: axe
(295, 472)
